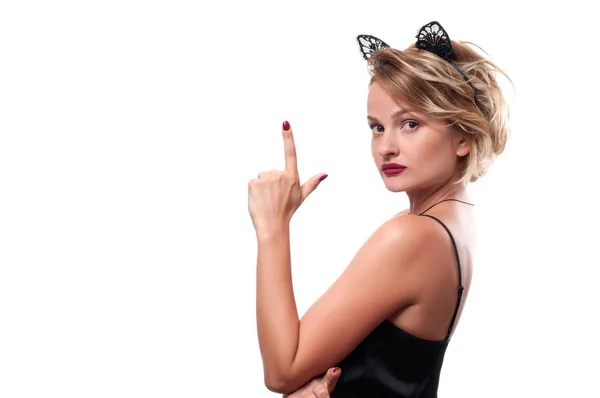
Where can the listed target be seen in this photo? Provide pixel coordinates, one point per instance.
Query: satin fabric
(390, 362)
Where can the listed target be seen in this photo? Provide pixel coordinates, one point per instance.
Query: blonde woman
(438, 119)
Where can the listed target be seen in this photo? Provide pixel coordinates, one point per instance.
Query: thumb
(331, 377)
(312, 184)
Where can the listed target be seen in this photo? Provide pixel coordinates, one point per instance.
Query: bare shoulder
(419, 238)
(397, 238)
(417, 230)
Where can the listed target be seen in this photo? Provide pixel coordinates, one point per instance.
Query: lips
(391, 169)
(392, 166)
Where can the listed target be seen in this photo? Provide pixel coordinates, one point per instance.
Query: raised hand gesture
(275, 195)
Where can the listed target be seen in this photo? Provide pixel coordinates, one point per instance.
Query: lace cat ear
(369, 44)
(434, 38)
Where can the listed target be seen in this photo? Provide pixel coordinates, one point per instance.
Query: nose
(388, 147)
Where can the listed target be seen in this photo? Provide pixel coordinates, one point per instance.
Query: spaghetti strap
(460, 285)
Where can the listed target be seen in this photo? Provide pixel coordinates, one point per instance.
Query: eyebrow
(395, 115)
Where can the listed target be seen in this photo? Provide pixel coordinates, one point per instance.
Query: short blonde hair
(479, 109)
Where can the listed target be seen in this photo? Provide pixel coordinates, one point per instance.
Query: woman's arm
(382, 278)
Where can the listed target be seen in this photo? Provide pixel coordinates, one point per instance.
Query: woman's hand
(318, 388)
(275, 195)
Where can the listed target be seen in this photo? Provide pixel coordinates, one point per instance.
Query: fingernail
(286, 125)
(323, 177)
(336, 371)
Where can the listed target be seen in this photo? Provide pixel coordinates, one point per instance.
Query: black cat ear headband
(431, 37)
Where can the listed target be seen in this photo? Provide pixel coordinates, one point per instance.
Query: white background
(129, 131)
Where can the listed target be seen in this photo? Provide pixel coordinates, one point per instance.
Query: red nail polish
(286, 125)
(336, 371)
(323, 177)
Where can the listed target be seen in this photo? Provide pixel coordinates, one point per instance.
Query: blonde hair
(479, 109)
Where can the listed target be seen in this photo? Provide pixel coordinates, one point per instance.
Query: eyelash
(374, 126)
(403, 124)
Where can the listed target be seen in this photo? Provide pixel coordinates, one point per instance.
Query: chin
(395, 186)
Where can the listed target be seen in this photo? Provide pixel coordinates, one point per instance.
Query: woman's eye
(377, 128)
(410, 125)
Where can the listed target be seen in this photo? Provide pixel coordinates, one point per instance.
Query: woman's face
(412, 151)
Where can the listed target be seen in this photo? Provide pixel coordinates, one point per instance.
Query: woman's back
(403, 356)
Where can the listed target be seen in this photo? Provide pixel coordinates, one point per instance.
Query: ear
(463, 147)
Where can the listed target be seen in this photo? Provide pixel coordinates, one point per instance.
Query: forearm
(277, 316)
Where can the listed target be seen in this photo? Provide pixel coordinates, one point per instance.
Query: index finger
(289, 146)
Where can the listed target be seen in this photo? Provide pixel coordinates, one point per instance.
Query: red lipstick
(392, 168)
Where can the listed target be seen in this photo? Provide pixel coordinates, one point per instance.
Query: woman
(438, 118)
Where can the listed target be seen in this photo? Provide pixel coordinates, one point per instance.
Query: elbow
(280, 383)
(277, 388)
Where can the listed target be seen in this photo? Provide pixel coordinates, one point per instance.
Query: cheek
(434, 156)
(420, 152)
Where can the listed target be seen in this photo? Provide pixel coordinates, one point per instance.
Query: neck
(422, 199)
